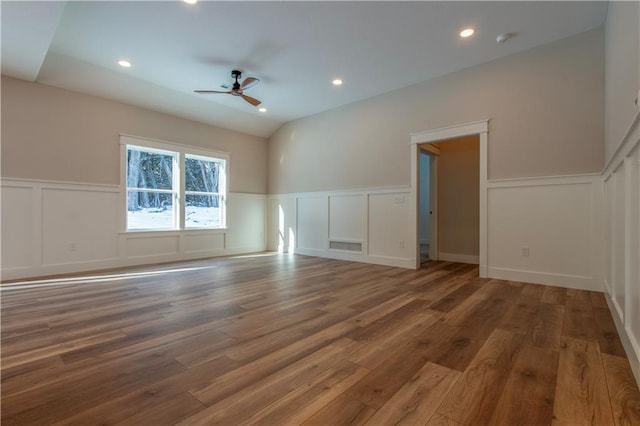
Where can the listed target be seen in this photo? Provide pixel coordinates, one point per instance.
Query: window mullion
(181, 190)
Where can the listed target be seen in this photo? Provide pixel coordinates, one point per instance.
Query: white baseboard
(400, 262)
(96, 265)
(58, 269)
(556, 280)
(459, 258)
(358, 257)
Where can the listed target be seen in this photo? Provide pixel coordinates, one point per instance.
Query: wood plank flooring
(288, 340)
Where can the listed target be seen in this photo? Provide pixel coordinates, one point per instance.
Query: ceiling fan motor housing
(236, 86)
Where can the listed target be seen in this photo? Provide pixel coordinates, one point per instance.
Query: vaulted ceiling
(295, 48)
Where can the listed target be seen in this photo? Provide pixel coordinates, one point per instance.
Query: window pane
(203, 211)
(150, 210)
(201, 175)
(149, 170)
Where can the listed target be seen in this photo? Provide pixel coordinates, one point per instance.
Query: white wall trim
(53, 184)
(480, 128)
(628, 143)
(341, 192)
(400, 262)
(557, 280)
(459, 258)
(544, 180)
(450, 132)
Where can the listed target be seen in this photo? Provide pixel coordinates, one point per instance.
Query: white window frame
(174, 191)
(180, 151)
(222, 183)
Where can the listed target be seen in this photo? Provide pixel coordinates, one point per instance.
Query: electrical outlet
(401, 244)
(73, 246)
(399, 199)
(524, 251)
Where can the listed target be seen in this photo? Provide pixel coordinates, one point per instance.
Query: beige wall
(622, 67)
(59, 135)
(459, 196)
(546, 108)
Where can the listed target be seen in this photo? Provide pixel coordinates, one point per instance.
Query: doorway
(479, 129)
(428, 199)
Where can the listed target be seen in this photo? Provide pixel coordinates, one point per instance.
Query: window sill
(175, 231)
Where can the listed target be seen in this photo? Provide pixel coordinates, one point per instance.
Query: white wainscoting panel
(619, 240)
(347, 217)
(281, 224)
(632, 288)
(313, 223)
(246, 226)
(206, 243)
(60, 227)
(141, 245)
(609, 200)
(79, 226)
(632, 298)
(558, 220)
(389, 227)
(621, 180)
(376, 218)
(17, 229)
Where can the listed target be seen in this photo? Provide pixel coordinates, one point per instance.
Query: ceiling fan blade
(252, 101)
(204, 92)
(249, 82)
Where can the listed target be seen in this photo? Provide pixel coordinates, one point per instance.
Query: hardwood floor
(286, 340)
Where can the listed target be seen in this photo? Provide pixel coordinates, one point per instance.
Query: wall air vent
(346, 246)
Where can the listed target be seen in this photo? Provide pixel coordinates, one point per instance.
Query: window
(151, 190)
(203, 202)
(173, 187)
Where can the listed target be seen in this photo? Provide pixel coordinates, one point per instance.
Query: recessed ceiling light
(337, 82)
(467, 32)
(263, 109)
(191, 1)
(124, 63)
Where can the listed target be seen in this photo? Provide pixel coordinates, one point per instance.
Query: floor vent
(347, 246)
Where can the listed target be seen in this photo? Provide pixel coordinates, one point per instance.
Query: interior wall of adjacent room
(546, 107)
(459, 196)
(425, 192)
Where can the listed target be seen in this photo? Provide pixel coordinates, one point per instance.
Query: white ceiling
(295, 48)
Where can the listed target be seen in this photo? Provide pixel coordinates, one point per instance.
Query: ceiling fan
(238, 88)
